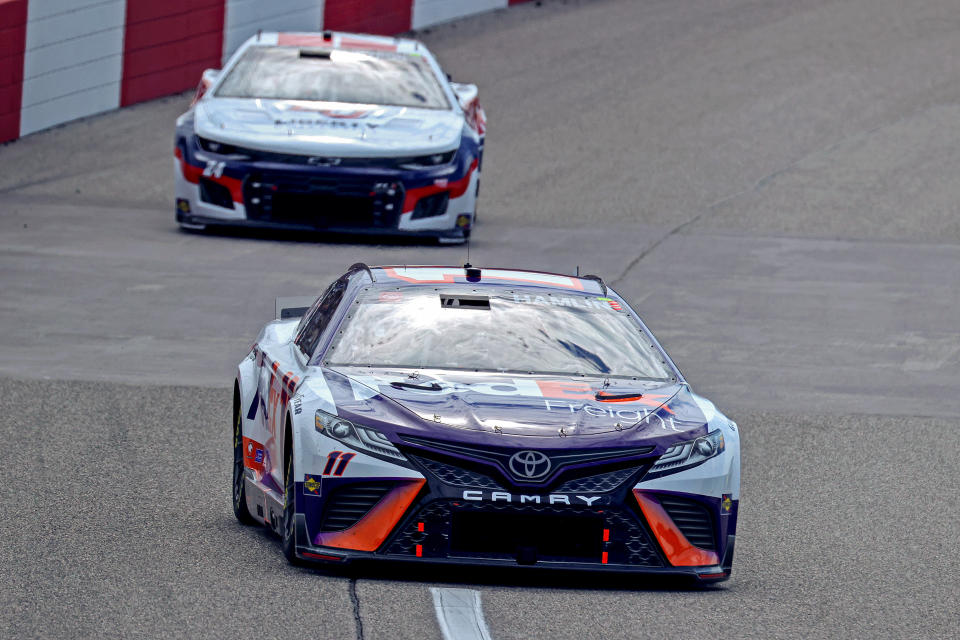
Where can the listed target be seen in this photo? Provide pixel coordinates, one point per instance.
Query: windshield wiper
(605, 396)
(433, 386)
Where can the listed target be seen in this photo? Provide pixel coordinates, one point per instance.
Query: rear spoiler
(294, 306)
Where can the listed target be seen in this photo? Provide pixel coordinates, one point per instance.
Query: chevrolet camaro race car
(481, 417)
(331, 131)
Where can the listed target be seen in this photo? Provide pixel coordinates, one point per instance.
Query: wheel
(476, 199)
(239, 489)
(289, 509)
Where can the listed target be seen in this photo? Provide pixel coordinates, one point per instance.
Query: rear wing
(293, 306)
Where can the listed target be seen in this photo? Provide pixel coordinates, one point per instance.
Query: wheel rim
(237, 463)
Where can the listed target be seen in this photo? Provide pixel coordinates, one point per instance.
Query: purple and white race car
(483, 417)
(331, 131)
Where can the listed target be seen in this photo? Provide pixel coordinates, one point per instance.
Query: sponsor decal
(390, 296)
(477, 495)
(347, 114)
(311, 485)
(329, 124)
(445, 274)
(566, 390)
(254, 455)
(567, 301)
(183, 205)
(297, 405)
(653, 401)
(726, 504)
(556, 395)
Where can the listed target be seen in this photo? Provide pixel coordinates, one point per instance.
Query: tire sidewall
(289, 507)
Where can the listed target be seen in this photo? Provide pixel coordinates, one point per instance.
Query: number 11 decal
(332, 458)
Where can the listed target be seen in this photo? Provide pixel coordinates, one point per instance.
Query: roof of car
(401, 275)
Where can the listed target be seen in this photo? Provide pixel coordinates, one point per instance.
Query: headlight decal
(689, 454)
(356, 436)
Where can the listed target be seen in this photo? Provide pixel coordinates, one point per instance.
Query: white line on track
(460, 614)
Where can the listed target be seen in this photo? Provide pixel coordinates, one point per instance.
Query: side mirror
(209, 77)
(206, 81)
(466, 93)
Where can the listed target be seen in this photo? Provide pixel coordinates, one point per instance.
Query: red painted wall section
(13, 39)
(382, 17)
(167, 46)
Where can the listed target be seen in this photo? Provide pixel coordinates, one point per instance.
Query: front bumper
(219, 190)
(447, 524)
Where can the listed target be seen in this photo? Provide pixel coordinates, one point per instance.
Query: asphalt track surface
(773, 184)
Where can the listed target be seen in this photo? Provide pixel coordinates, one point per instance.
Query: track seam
(355, 601)
(758, 184)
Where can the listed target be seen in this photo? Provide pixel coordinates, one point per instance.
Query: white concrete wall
(244, 17)
(72, 61)
(429, 12)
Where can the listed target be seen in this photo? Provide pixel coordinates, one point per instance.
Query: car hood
(519, 405)
(327, 128)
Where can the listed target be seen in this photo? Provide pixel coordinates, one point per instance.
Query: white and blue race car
(332, 132)
(480, 417)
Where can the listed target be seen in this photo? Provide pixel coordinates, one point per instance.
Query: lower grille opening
(322, 210)
(431, 206)
(322, 202)
(348, 504)
(693, 519)
(215, 193)
(527, 537)
(525, 534)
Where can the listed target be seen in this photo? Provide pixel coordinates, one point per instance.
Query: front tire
(239, 486)
(289, 507)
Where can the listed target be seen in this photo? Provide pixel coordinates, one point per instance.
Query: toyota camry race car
(486, 417)
(334, 131)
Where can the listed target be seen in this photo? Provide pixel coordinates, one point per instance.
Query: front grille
(526, 534)
(692, 518)
(601, 483)
(562, 461)
(322, 202)
(457, 476)
(348, 504)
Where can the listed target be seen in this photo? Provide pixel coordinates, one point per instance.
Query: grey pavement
(771, 183)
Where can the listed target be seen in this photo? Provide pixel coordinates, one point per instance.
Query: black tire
(239, 489)
(289, 505)
(476, 200)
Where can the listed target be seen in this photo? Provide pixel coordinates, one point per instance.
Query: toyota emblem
(529, 465)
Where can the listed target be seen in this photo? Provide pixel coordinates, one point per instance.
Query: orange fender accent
(370, 532)
(680, 553)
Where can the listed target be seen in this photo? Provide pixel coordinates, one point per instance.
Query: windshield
(360, 77)
(521, 331)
